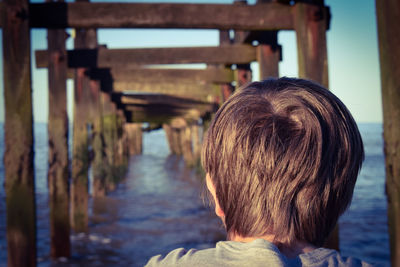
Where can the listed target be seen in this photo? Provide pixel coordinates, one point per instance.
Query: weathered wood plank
(58, 172)
(187, 147)
(197, 139)
(97, 141)
(226, 88)
(311, 23)
(111, 58)
(164, 113)
(243, 74)
(160, 118)
(190, 90)
(18, 155)
(170, 139)
(149, 75)
(134, 138)
(388, 14)
(268, 59)
(162, 15)
(162, 75)
(83, 115)
(114, 170)
(148, 99)
(268, 52)
(163, 109)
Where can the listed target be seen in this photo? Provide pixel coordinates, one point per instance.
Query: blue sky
(352, 56)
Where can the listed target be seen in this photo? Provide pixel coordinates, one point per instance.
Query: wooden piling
(18, 155)
(58, 172)
(243, 73)
(122, 149)
(97, 142)
(168, 134)
(174, 138)
(196, 143)
(111, 134)
(186, 144)
(227, 87)
(134, 136)
(311, 23)
(388, 14)
(268, 50)
(176, 135)
(83, 115)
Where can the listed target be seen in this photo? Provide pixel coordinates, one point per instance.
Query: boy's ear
(210, 186)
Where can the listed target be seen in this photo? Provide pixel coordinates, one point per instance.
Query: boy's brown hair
(283, 155)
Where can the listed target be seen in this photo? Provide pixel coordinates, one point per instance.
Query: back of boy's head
(283, 155)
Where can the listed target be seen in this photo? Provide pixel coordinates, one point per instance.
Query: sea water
(158, 207)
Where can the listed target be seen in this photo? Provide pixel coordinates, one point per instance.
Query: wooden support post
(182, 140)
(176, 141)
(83, 116)
(98, 164)
(173, 138)
(268, 55)
(268, 50)
(111, 136)
(243, 74)
(186, 144)
(122, 151)
(80, 159)
(168, 134)
(175, 135)
(196, 143)
(388, 14)
(58, 172)
(18, 155)
(226, 88)
(98, 145)
(134, 138)
(311, 23)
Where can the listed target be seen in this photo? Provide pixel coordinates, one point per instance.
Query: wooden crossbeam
(174, 75)
(162, 75)
(163, 113)
(161, 99)
(272, 16)
(202, 92)
(158, 75)
(110, 58)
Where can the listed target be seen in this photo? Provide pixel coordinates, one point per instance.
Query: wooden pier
(116, 90)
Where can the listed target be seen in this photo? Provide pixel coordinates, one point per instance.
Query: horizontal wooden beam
(270, 16)
(161, 75)
(111, 58)
(163, 114)
(201, 92)
(222, 75)
(144, 99)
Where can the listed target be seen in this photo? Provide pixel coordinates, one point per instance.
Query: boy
(282, 157)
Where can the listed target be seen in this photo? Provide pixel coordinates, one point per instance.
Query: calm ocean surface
(158, 208)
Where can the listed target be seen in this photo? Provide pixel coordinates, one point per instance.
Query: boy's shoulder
(256, 253)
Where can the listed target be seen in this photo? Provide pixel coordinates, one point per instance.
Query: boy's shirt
(256, 253)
